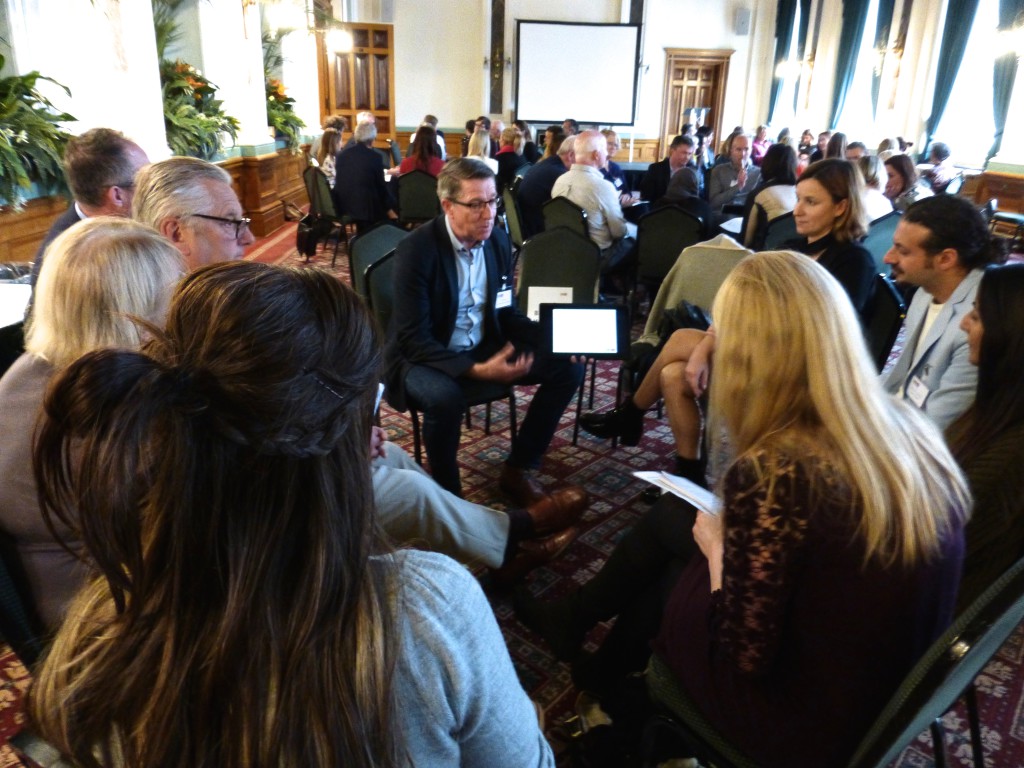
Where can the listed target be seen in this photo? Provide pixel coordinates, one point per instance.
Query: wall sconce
(339, 40)
(508, 62)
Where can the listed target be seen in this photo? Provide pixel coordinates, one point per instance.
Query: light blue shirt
(471, 268)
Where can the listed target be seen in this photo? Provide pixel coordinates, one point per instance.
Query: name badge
(917, 392)
(504, 299)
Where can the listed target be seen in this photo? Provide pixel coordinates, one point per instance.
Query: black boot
(625, 422)
(693, 469)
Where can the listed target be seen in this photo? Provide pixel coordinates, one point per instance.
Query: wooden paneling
(693, 79)
(644, 150)
(21, 233)
(263, 184)
(1007, 188)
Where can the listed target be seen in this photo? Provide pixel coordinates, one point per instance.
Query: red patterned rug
(607, 475)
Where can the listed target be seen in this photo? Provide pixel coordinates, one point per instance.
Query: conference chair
(563, 212)
(780, 229)
(513, 216)
(369, 247)
(381, 299)
(879, 239)
(563, 259)
(396, 154)
(954, 186)
(417, 198)
(321, 223)
(661, 236)
(20, 625)
(883, 318)
(695, 277)
(940, 678)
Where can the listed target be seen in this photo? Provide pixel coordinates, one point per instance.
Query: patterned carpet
(616, 504)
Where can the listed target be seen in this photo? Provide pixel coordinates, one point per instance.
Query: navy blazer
(655, 182)
(359, 187)
(426, 294)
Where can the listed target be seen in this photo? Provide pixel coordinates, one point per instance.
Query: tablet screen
(594, 331)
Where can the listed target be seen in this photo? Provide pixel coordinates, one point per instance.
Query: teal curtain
(951, 54)
(855, 17)
(1005, 73)
(801, 42)
(885, 11)
(783, 38)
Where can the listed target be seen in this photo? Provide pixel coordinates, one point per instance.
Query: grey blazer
(942, 362)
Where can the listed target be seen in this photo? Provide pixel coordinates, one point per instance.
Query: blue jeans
(442, 401)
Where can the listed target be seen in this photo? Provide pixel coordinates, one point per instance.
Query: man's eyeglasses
(477, 206)
(239, 224)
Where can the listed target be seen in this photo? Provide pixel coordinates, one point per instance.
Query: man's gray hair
(568, 145)
(174, 188)
(449, 182)
(365, 133)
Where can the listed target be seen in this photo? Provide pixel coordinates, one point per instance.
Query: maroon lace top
(801, 648)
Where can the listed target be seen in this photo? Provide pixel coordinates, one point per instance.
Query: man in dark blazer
(455, 323)
(659, 174)
(535, 188)
(359, 188)
(100, 167)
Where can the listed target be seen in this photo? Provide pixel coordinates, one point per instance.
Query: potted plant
(31, 139)
(281, 114)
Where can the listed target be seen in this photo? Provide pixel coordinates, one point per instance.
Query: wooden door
(360, 80)
(694, 80)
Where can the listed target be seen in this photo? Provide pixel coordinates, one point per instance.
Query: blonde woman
(97, 280)
(479, 149)
(834, 559)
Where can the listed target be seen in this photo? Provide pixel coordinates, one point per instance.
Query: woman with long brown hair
(245, 612)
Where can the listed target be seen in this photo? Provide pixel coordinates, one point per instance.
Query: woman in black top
(830, 219)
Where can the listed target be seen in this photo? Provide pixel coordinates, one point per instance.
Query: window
(968, 125)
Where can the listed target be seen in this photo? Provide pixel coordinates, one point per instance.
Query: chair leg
(593, 379)
(938, 743)
(512, 425)
(971, 699)
(487, 420)
(579, 411)
(417, 447)
(469, 420)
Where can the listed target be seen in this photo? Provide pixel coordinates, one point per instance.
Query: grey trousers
(413, 509)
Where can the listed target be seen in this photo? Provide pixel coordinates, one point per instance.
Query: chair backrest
(563, 212)
(780, 229)
(380, 289)
(319, 191)
(953, 188)
(19, 623)
(522, 169)
(946, 670)
(417, 197)
(385, 155)
(882, 320)
(661, 236)
(699, 276)
(368, 248)
(513, 217)
(559, 258)
(879, 239)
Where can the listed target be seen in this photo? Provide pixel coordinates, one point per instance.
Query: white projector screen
(584, 71)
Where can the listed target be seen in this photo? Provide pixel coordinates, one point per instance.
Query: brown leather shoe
(520, 486)
(557, 510)
(534, 553)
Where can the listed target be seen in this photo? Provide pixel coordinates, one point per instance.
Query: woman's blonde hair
(96, 279)
(792, 369)
(479, 145)
(511, 137)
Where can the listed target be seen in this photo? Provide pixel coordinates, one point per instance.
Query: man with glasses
(100, 167)
(192, 204)
(455, 323)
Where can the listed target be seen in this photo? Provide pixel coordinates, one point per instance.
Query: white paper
(545, 294)
(687, 490)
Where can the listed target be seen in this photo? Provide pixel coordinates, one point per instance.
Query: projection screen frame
(558, 81)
